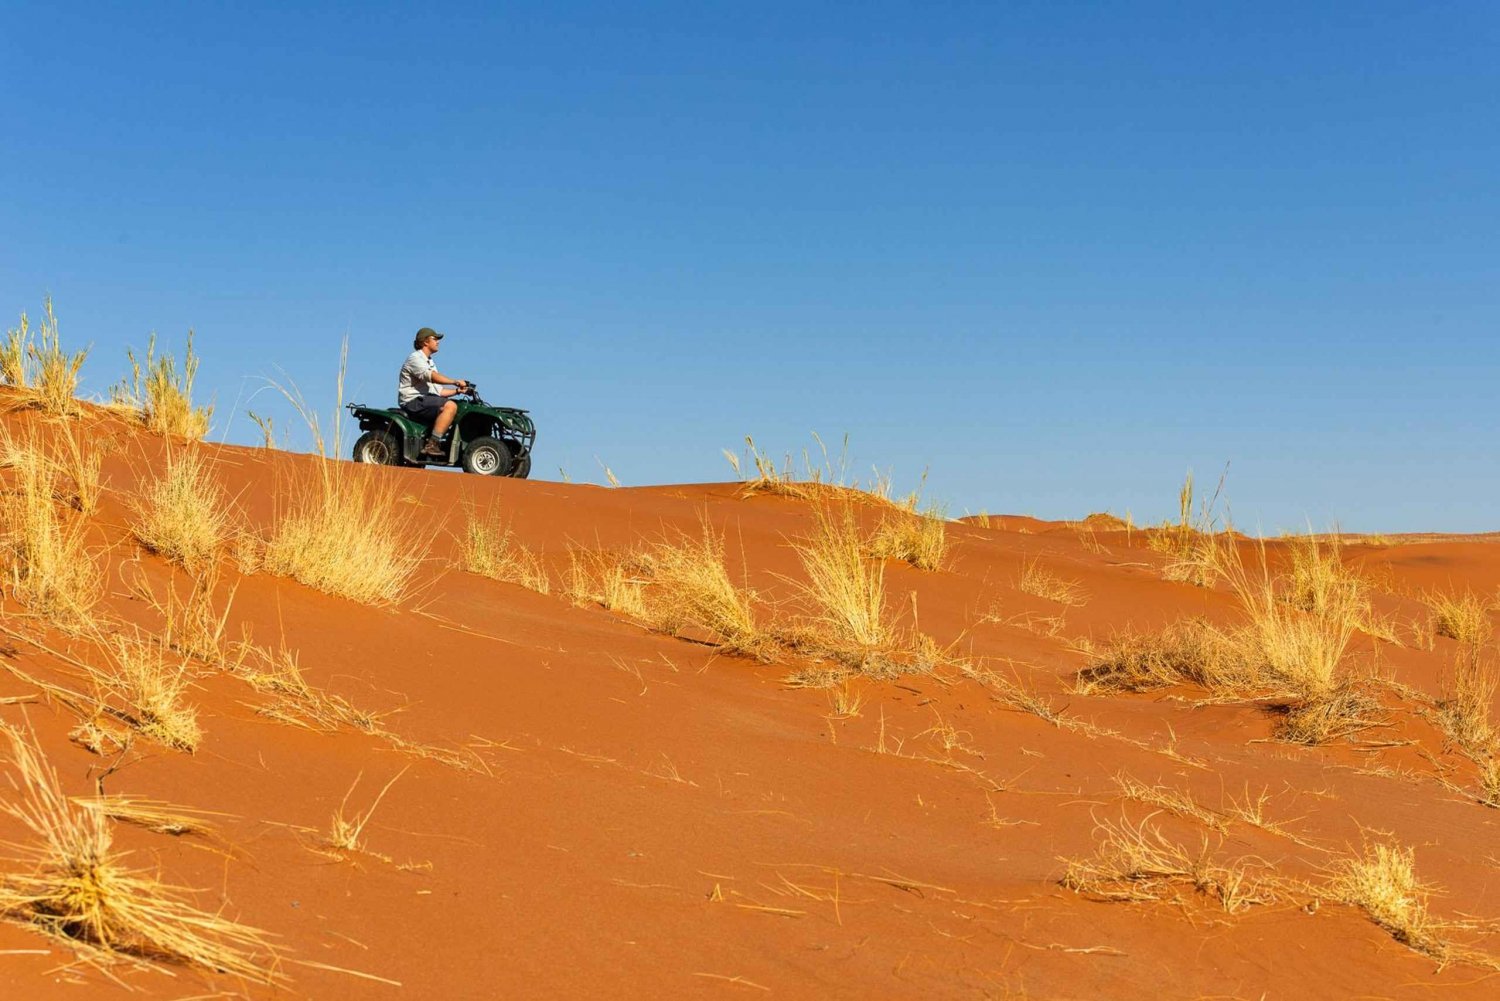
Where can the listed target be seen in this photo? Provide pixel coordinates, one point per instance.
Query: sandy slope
(643, 817)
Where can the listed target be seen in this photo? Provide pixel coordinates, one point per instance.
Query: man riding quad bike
(490, 441)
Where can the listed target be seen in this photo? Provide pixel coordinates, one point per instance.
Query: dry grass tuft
(615, 581)
(1328, 715)
(677, 583)
(1185, 652)
(768, 478)
(346, 833)
(1197, 560)
(1279, 651)
(139, 674)
(489, 552)
(1302, 650)
(37, 366)
(918, 539)
(1318, 580)
(162, 394)
(70, 882)
(347, 535)
(844, 700)
(1192, 544)
(1463, 712)
(1464, 709)
(82, 463)
(1382, 882)
(691, 584)
(42, 551)
(1463, 617)
(13, 354)
(1036, 579)
(181, 514)
(846, 591)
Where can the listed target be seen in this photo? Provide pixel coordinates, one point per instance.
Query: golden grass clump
(916, 538)
(1464, 617)
(1137, 862)
(1176, 539)
(1382, 882)
(1279, 650)
(1190, 651)
(1319, 581)
(181, 514)
(69, 881)
(162, 394)
(13, 354)
(1464, 709)
(39, 366)
(690, 583)
(1043, 583)
(44, 553)
(1192, 545)
(846, 591)
(346, 535)
(1198, 564)
(1302, 650)
(140, 674)
(1341, 711)
(615, 581)
(490, 552)
(768, 478)
(82, 463)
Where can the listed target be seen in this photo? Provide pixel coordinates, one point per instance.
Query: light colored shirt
(416, 377)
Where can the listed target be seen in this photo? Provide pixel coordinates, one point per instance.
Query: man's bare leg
(440, 427)
(445, 419)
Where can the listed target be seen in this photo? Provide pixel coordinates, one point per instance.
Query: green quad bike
(489, 441)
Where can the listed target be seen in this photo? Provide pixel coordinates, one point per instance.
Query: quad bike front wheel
(487, 457)
(522, 468)
(377, 448)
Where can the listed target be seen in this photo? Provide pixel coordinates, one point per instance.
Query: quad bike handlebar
(472, 392)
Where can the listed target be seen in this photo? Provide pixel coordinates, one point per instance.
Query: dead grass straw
(1137, 862)
(1041, 582)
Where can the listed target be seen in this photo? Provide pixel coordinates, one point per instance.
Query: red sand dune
(643, 816)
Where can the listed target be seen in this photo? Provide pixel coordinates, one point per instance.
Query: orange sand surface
(580, 807)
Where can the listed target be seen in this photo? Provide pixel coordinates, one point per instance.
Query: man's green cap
(425, 333)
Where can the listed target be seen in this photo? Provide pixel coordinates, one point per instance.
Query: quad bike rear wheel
(377, 448)
(487, 457)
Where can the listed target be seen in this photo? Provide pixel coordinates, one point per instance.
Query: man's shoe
(433, 448)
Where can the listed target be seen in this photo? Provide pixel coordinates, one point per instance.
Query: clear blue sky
(1057, 252)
